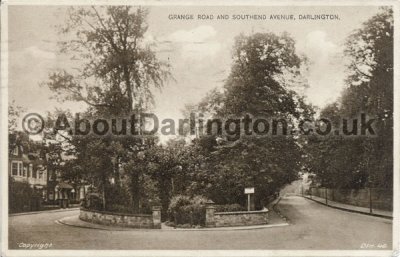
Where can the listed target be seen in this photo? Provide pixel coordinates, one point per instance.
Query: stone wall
(232, 219)
(122, 219)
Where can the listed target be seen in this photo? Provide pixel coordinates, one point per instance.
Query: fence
(372, 198)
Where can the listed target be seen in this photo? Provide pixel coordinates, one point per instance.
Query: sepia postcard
(213, 128)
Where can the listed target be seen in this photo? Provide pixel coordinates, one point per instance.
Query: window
(20, 169)
(15, 151)
(30, 174)
(14, 169)
(34, 174)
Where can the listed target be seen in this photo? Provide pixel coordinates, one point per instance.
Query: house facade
(59, 191)
(35, 168)
(29, 168)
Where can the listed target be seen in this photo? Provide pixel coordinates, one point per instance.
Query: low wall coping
(118, 213)
(241, 212)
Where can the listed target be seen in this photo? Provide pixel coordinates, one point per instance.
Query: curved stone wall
(121, 219)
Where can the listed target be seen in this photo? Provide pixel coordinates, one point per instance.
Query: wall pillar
(210, 211)
(156, 216)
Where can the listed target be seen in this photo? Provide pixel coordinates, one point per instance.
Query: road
(313, 226)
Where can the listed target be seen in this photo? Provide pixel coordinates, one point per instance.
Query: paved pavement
(48, 211)
(313, 226)
(349, 207)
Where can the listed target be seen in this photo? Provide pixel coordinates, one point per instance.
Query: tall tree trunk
(129, 89)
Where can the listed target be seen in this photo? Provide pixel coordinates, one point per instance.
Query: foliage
(256, 84)
(118, 66)
(93, 201)
(115, 72)
(20, 195)
(265, 77)
(230, 208)
(188, 210)
(357, 162)
(14, 113)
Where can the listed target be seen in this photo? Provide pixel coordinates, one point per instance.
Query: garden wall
(232, 219)
(123, 219)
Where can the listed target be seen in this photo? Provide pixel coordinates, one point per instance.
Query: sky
(199, 51)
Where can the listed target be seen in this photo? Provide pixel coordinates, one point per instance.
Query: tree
(117, 69)
(371, 79)
(114, 73)
(20, 195)
(357, 162)
(336, 160)
(262, 83)
(256, 84)
(14, 113)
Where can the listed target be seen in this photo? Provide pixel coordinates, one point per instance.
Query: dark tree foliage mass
(358, 162)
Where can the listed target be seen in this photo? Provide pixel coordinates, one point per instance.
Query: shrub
(21, 196)
(116, 194)
(118, 201)
(93, 201)
(186, 225)
(169, 223)
(119, 208)
(186, 210)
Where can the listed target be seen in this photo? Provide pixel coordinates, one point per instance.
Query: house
(29, 168)
(41, 169)
(59, 189)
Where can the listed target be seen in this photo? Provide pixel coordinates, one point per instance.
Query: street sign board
(249, 190)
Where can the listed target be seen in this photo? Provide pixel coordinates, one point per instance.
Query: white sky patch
(196, 44)
(200, 51)
(29, 67)
(198, 34)
(36, 52)
(149, 38)
(327, 67)
(318, 47)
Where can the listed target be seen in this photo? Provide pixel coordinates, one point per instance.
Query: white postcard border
(4, 137)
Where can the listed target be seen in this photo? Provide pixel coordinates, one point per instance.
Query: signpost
(248, 191)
